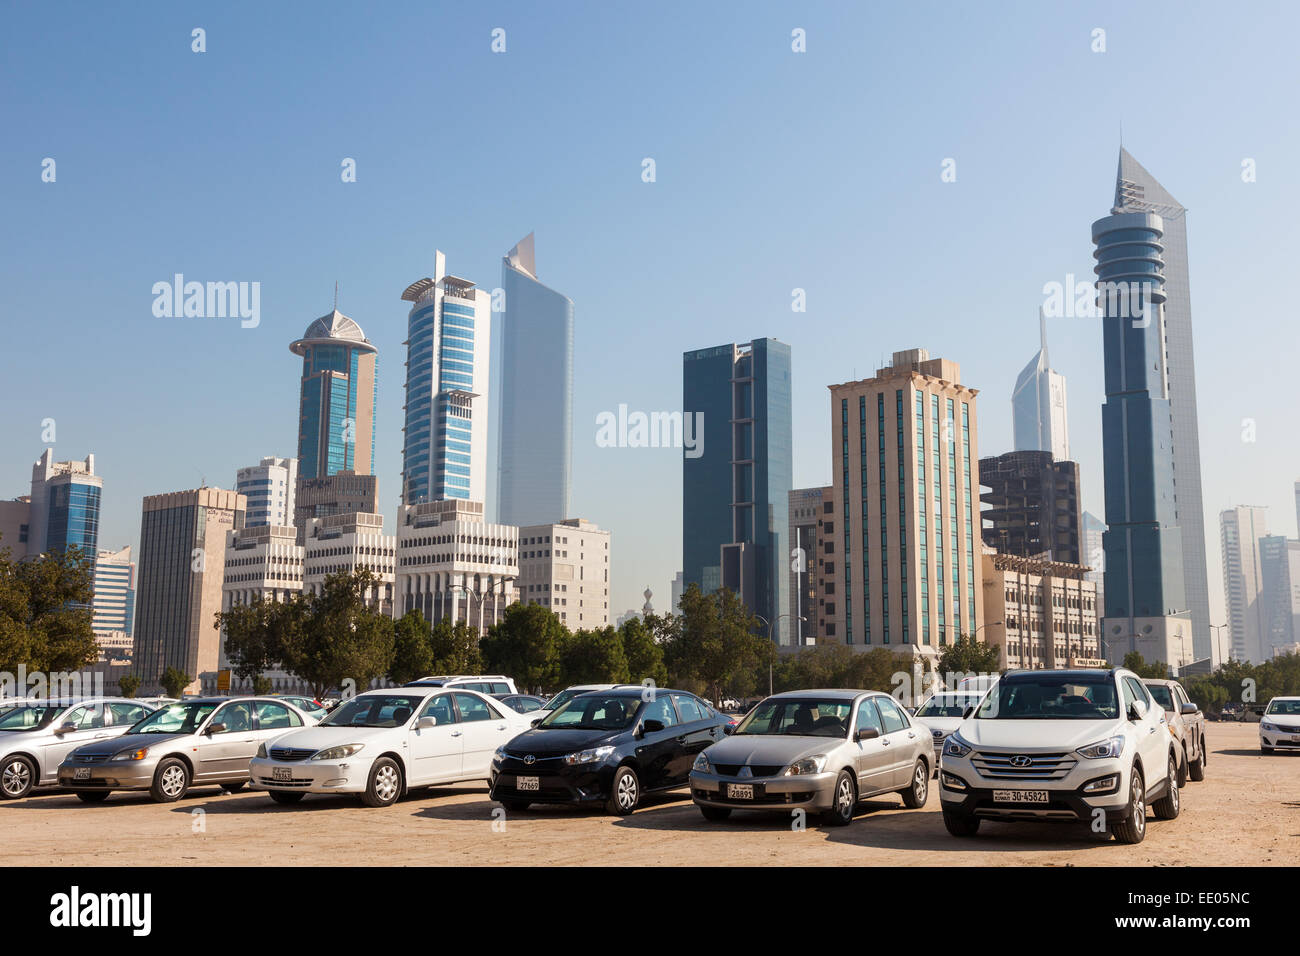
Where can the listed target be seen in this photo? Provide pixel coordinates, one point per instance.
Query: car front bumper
(110, 775)
(1279, 739)
(1067, 799)
(813, 791)
(310, 776)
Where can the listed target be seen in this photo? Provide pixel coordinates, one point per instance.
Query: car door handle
(884, 741)
(681, 739)
(455, 733)
(911, 736)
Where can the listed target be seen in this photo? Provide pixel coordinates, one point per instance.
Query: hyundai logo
(1022, 761)
(530, 760)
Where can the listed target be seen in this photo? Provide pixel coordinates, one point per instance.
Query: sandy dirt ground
(1246, 812)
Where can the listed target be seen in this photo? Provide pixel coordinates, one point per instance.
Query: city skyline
(657, 267)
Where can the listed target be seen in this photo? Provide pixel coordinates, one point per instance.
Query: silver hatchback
(822, 750)
(196, 741)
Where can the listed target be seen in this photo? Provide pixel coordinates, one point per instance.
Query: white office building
(269, 488)
(565, 567)
(344, 543)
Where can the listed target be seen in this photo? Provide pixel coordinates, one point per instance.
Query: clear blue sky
(775, 170)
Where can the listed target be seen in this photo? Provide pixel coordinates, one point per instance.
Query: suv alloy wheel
(1133, 829)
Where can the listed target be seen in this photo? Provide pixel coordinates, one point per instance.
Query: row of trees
(45, 612)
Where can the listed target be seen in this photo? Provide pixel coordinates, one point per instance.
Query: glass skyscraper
(533, 377)
(735, 495)
(1039, 415)
(65, 504)
(336, 419)
(448, 350)
(1137, 191)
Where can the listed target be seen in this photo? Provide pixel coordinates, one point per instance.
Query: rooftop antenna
(336, 295)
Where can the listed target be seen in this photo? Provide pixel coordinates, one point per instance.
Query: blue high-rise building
(336, 418)
(448, 350)
(532, 374)
(65, 503)
(736, 482)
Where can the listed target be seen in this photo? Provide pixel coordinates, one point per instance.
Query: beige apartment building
(900, 553)
(565, 567)
(181, 576)
(1041, 613)
(809, 509)
(344, 543)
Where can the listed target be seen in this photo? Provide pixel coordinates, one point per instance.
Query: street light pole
(769, 641)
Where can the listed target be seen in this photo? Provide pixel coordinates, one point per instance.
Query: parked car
(823, 750)
(307, 705)
(566, 695)
(36, 735)
(1062, 746)
(1279, 728)
(203, 741)
(384, 743)
(483, 684)
(523, 703)
(157, 703)
(1186, 723)
(609, 747)
(941, 714)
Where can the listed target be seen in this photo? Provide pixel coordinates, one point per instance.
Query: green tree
(336, 637)
(969, 656)
(262, 685)
(717, 643)
(45, 612)
(594, 657)
(455, 648)
(644, 655)
(412, 649)
(250, 637)
(1156, 670)
(128, 684)
(526, 645)
(174, 681)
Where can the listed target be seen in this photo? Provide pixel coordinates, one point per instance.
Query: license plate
(528, 783)
(281, 773)
(1021, 796)
(81, 773)
(740, 791)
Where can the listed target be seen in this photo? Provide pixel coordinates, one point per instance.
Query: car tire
(384, 785)
(93, 796)
(286, 796)
(715, 814)
(1133, 828)
(516, 806)
(624, 792)
(914, 797)
(171, 781)
(845, 801)
(1265, 750)
(232, 787)
(17, 777)
(1168, 806)
(961, 824)
(1196, 769)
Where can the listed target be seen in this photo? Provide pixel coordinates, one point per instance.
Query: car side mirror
(215, 729)
(535, 721)
(65, 729)
(728, 729)
(965, 714)
(426, 723)
(866, 733)
(1189, 708)
(652, 726)
(1137, 710)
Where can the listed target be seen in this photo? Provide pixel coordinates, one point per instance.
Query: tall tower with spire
(1038, 408)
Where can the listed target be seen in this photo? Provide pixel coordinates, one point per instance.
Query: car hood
(762, 749)
(1277, 720)
(319, 738)
(551, 743)
(944, 725)
(1040, 735)
(115, 745)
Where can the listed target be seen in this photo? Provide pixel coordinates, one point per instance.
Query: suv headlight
(337, 753)
(594, 755)
(138, 754)
(1111, 747)
(955, 746)
(702, 764)
(813, 764)
(1271, 728)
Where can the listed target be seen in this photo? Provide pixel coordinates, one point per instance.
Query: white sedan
(382, 743)
(1279, 726)
(942, 713)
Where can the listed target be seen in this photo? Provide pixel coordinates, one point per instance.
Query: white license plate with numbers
(528, 783)
(1021, 796)
(740, 791)
(281, 773)
(83, 773)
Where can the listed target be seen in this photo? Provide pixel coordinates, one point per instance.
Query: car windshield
(184, 718)
(948, 705)
(374, 710)
(1048, 697)
(798, 718)
(29, 716)
(1284, 708)
(1163, 695)
(595, 712)
(563, 697)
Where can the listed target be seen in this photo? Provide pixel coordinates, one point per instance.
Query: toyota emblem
(1022, 761)
(530, 760)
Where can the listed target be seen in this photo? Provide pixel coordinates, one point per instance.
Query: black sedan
(607, 747)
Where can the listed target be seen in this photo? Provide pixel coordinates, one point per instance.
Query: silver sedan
(822, 750)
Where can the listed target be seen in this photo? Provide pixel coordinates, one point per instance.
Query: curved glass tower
(336, 417)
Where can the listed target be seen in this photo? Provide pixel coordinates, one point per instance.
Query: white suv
(1073, 745)
(490, 684)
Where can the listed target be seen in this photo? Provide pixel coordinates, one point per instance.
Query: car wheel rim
(16, 777)
(1173, 785)
(1139, 808)
(173, 779)
(386, 783)
(627, 791)
(845, 800)
(920, 783)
